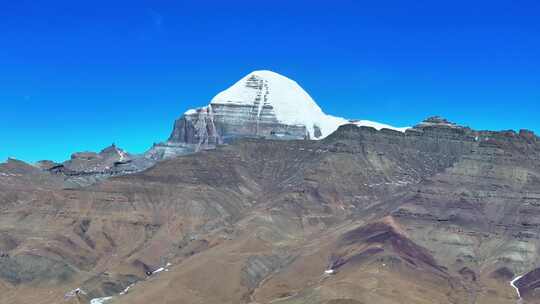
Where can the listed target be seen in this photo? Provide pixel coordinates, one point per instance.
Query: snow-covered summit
(290, 103)
(261, 104)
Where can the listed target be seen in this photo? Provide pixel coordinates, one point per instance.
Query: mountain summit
(274, 96)
(261, 104)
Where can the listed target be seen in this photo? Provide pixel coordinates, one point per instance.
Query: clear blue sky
(79, 75)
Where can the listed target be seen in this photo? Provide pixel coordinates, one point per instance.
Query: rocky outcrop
(221, 123)
(87, 168)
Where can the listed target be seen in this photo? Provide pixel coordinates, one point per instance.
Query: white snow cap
(291, 104)
(190, 112)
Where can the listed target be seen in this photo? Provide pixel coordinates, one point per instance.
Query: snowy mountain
(261, 104)
(275, 96)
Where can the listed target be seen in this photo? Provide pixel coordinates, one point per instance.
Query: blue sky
(80, 75)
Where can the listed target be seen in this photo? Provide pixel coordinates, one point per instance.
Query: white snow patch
(125, 291)
(161, 269)
(74, 292)
(513, 284)
(377, 125)
(190, 112)
(100, 300)
(330, 271)
(122, 154)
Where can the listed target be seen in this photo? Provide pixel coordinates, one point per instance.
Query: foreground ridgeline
(272, 209)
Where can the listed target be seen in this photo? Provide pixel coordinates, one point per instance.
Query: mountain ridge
(440, 212)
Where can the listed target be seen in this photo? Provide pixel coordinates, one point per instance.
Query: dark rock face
(218, 124)
(196, 128)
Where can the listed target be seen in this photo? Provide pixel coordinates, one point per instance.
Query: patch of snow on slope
(125, 291)
(100, 300)
(377, 125)
(161, 269)
(513, 284)
(291, 104)
(74, 293)
(122, 155)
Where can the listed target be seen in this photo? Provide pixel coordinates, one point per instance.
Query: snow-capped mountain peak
(287, 100)
(261, 104)
(261, 88)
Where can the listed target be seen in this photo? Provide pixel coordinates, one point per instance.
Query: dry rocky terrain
(437, 214)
